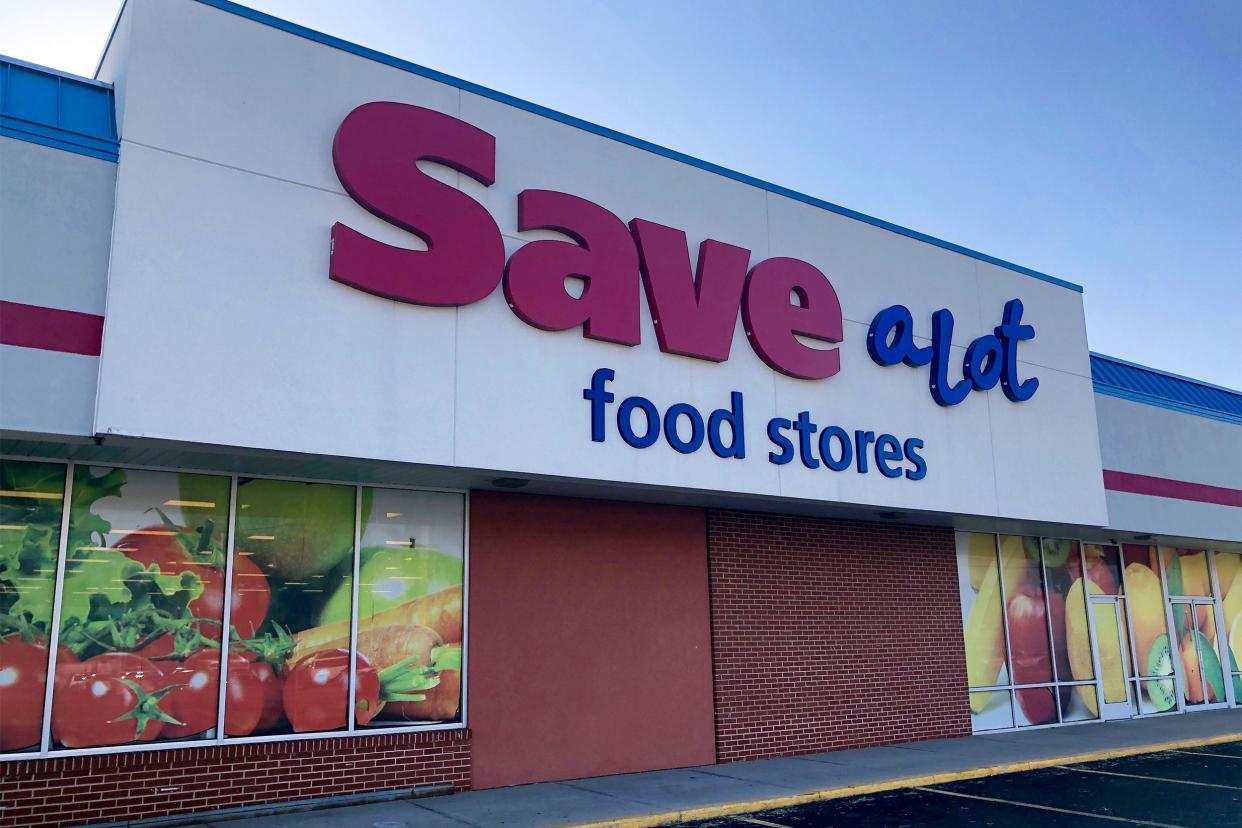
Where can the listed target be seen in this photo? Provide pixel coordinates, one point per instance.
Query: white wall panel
(1046, 450)
(872, 268)
(224, 328)
(215, 86)
(47, 392)
(533, 152)
(55, 224)
(1060, 326)
(1174, 518)
(1147, 439)
(894, 401)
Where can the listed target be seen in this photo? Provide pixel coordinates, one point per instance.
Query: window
(1197, 645)
(1028, 649)
(32, 496)
(1157, 639)
(1229, 576)
(318, 593)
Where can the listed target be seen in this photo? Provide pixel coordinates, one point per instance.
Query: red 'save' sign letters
(694, 310)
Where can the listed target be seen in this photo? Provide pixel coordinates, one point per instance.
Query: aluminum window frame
(1011, 688)
(46, 751)
(1134, 684)
(1222, 630)
(1215, 600)
(1137, 661)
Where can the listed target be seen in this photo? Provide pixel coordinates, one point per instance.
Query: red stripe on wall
(1164, 487)
(50, 329)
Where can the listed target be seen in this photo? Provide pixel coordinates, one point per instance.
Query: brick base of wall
(114, 787)
(829, 635)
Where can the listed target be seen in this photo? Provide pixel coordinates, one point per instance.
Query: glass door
(1194, 618)
(1112, 656)
(1203, 679)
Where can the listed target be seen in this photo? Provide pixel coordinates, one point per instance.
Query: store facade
(560, 454)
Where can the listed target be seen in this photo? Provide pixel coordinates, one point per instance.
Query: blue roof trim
(1130, 381)
(51, 108)
(482, 91)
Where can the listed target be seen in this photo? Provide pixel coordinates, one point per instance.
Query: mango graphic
(1194, 668)
(1146, 606)
(1195, 574)
(1114, 663)
(1228, 565)
(1232, 605)
(1190, 668)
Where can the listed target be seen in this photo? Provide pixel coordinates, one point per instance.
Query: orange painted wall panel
(590, 641)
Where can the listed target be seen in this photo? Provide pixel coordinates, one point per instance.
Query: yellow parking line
(789, 800)
(1108, 817)
(1149, 778)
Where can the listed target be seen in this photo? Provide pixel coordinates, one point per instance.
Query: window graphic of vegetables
(292, 529)
(143, 599)
(110, 699)
(30, 512)
(416, 649)
(141, 611)
(389, 576)
(23, 679)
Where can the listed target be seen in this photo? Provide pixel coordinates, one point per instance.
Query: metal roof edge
(48, 70)
(1163, 373)
(1160, 402)
(1138, 383)
(56, 109)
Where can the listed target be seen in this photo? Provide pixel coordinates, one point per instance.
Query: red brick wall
(830, 634)
(108, 788)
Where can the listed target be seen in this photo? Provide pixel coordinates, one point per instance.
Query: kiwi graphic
(1056, 552)
(1162, 693)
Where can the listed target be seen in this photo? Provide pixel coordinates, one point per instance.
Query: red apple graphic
(1098, 570)
(1032, 659)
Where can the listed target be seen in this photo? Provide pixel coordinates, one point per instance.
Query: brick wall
(829, 635)
(113, 787)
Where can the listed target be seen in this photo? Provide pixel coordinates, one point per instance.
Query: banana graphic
(985, 637)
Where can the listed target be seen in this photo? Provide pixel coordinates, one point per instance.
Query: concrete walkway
(659, 797)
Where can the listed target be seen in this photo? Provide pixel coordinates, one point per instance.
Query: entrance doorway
(1112, 657)
(1202, 674)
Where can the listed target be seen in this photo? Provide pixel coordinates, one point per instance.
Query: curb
(840, 792)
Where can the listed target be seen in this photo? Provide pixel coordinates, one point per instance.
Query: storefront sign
(990, 358)
(836, 449)
(783, 301)
(435, 277)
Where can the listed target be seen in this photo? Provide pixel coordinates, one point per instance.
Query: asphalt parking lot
(1190, 788)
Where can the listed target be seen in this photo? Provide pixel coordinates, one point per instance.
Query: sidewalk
(658, 797)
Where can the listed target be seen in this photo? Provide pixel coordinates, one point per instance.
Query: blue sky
(1099, 142)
